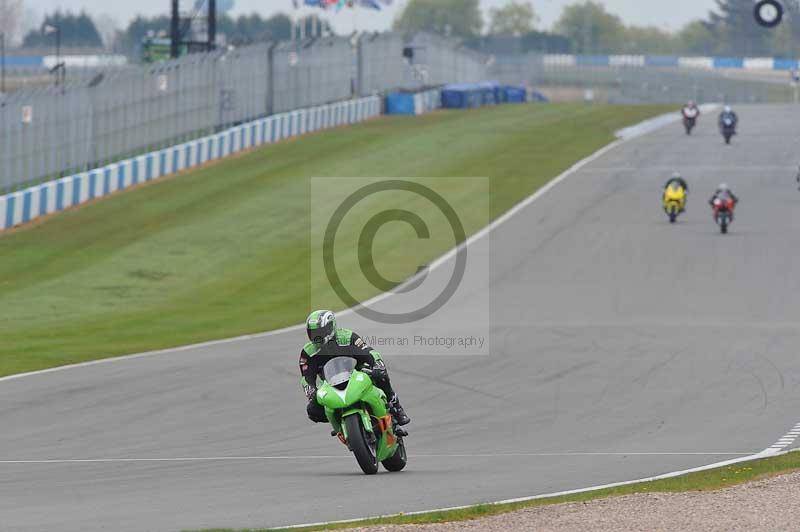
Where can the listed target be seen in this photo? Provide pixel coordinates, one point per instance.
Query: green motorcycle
(358, 412)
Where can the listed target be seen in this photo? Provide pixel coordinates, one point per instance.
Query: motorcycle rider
(677, 181)
(690, 113)
(728, 114)
(723, 192)
(327, 341)
(690, 110)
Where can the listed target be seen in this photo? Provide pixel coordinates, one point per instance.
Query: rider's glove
(377, 373)
(309, 390)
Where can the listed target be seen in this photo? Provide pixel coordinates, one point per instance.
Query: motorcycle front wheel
(358, 439)
(398, 460)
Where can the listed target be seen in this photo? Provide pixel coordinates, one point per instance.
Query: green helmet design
(321, 326)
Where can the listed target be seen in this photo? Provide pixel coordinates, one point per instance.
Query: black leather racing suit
(313, 358)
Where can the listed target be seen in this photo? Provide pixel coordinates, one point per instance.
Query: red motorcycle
(723, 212)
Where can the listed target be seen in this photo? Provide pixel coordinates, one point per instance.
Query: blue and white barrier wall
(743, 63)
(21, 207)
(46, 62)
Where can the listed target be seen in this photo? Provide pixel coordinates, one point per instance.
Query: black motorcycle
(728, 128)
(689, 123)
(689, 119)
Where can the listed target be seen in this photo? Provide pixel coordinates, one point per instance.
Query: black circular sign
(768, 13)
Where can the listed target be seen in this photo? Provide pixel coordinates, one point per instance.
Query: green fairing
(360, 392)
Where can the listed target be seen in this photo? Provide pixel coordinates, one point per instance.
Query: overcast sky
(666, 14)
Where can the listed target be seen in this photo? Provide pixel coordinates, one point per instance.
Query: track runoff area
(622, 347)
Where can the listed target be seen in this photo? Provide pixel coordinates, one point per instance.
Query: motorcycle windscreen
(338, 370)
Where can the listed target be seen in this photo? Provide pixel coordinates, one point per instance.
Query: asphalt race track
(622, 347)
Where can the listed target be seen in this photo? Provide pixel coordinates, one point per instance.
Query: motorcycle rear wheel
(364, 452)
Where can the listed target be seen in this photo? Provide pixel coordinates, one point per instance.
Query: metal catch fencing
(53, 131)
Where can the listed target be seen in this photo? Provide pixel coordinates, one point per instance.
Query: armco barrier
(21, 207)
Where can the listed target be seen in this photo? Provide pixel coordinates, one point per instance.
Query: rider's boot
(398, 412)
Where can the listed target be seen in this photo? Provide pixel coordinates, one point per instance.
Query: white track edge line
(480, 234)
(766, 453)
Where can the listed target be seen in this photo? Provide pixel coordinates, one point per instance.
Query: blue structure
(462, 96)
(469, 95)
(400, 103)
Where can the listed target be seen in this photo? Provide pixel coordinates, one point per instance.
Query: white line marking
(787, 439)
(339, 456)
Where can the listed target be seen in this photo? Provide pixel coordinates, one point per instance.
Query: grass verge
(224, 250)
(713, 479)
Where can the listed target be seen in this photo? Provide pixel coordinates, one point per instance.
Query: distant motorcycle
(728, 128)
(674, 201)
(723, 212)
(690, 115)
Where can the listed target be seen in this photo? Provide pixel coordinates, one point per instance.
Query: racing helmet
(321, 326)
(727, 109)
(723, 187)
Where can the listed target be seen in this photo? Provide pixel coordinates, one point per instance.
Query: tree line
(584, 27)
(80, 31)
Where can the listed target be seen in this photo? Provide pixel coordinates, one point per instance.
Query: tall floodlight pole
(175, 30)
(587, 29)
(60, 68)
(588, 48)
(212, 24)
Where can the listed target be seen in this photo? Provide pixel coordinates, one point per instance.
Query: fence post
(271, 78)
(360, 66)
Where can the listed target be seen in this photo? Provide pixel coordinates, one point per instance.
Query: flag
(47, 29)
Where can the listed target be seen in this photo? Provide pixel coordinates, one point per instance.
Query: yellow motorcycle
(674, 201)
